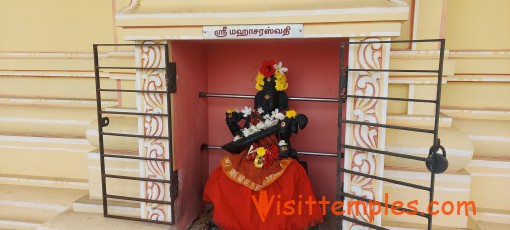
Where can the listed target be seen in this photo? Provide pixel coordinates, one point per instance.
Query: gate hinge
(343, 85)
(171, 77)
(174, 186)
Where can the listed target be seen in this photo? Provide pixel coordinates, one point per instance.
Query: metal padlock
(440, 161)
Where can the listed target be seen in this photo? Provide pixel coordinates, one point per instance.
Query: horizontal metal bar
(350, 219)
(317, 154)
(138, 199)
(395, 41)
(213, 147)
(130, 44)
(394, 70)
(390, 98)
(299, 152)
(385, 153)
(133, 135)
(138, 68)
(389, 126)
(133, 113)
(133, 91)
(409, 211)
(135, 157)
(137, 219)
(385, 179)
(137, 178)
(317, 99)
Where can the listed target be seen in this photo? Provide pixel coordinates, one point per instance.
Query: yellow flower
(230, 110)
(260, 81)
(291, 113)
(261, 151)
(281, 82)
(281, 87)
(258, 162)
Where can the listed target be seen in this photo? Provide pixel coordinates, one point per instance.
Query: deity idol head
(271, 83)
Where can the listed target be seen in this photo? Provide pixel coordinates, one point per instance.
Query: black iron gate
(436, 163)
(163, 92)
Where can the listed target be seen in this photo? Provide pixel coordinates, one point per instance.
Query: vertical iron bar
(169, 86)
(339, 184)
(100, 130)
(169, 105)
(436, 129)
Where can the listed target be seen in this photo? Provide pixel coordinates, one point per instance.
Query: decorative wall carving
(129, 8)
(152, 55)
(365, 83)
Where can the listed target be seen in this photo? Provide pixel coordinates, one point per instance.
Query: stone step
(54, 102)
(490, 138)
(493, 219)
(38, 155)
(96, 221)
(45, 121)
(115, 207)
(490, 219)
(114, 166)
(25, 207)
(484, 225)
(490, 183)
(54, 87)
(417, 120)
(46, 182)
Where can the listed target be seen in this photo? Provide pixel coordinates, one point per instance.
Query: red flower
(267, 69)
(273, 153)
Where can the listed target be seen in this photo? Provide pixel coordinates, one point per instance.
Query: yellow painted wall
(478, 25)
(54, 25)
(47, 96)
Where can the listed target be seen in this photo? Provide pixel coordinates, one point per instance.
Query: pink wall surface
(189, 129)
(230, 67)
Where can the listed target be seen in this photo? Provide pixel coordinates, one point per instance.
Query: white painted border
(424, 151)
(52, 140)
(266, 14)
(489, 138)
(490, 164)
(44, 121)
(18, 223)
(465, 179)
(44, 181)
(37, 205)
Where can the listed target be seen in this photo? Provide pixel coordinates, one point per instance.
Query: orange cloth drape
(235, 208)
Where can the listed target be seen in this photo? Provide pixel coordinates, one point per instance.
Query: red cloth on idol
(234, 207)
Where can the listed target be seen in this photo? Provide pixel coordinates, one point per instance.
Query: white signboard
(253, 31)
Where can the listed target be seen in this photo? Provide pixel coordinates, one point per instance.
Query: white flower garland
(269, 120)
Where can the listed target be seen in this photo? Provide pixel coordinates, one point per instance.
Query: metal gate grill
(344, 94)
(167, 71)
